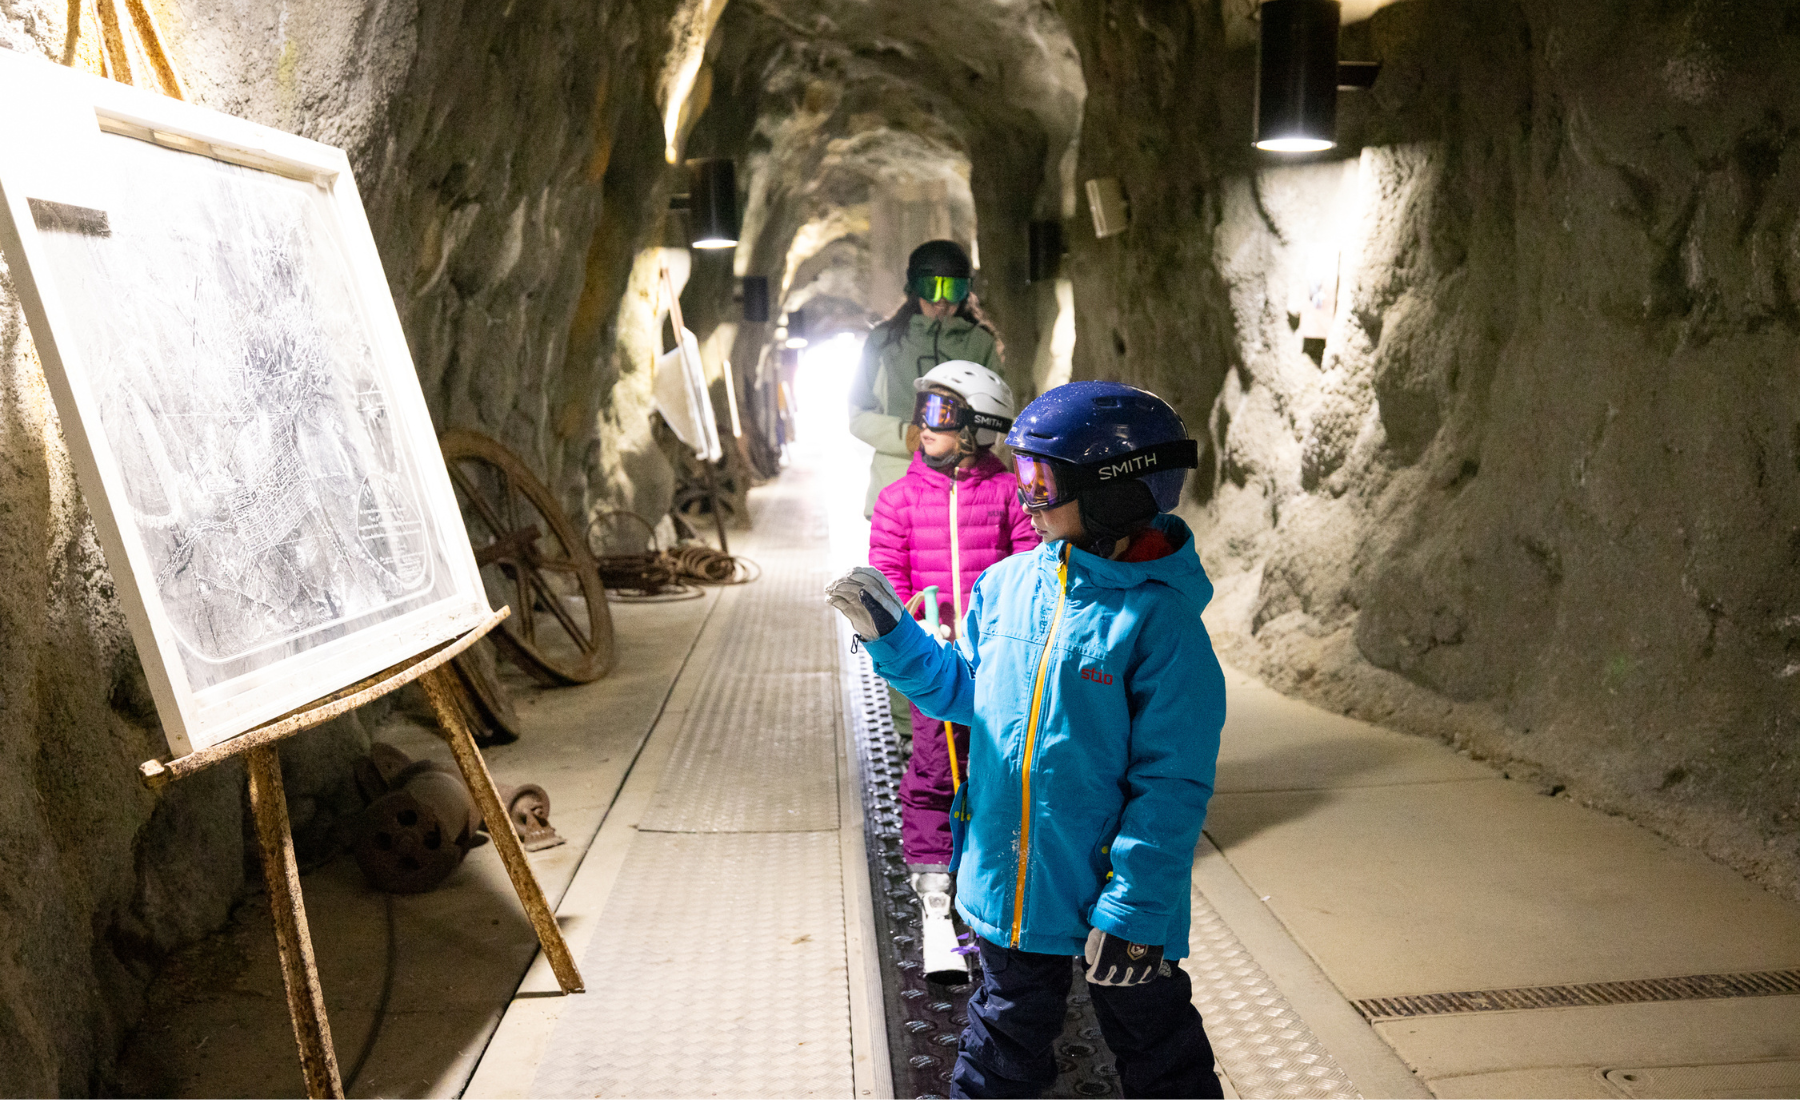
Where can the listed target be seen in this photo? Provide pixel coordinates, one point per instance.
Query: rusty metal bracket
(159, 773)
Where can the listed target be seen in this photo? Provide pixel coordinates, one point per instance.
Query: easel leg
(500, 828)
(306, 1001)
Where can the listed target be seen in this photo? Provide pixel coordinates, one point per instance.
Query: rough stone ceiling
(855, 98)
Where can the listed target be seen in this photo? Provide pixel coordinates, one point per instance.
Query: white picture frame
(236, 394)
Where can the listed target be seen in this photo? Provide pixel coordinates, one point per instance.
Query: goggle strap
(1177, 454)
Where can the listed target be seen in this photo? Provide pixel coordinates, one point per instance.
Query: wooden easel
(268, 804)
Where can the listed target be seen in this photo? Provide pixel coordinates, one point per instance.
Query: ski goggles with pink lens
(943, 413)
(1040, 487)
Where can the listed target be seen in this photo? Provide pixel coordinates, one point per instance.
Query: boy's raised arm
(939, 679)
(1177, 696)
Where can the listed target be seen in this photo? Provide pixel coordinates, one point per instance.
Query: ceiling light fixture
(1107, 205)
(1298, 76)
(796, 329)
(711, 204)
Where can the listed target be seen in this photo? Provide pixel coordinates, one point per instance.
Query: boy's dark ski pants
(1017, 1012)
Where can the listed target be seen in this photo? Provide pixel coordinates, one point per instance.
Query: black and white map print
(240, 396)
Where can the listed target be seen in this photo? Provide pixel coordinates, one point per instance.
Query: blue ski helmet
(1101, 433)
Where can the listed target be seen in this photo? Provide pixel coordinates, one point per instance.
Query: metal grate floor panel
(719, 962)
(1694, 987)
(1264, 1047)
(751, 757)
(718, 972)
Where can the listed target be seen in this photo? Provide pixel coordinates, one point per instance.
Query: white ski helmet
(985, 391)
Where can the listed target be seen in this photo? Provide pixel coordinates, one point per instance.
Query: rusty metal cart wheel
(561, 629)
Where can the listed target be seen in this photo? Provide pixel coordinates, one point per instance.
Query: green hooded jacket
(882, 394)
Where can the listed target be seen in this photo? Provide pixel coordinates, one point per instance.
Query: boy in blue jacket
(1094, 703)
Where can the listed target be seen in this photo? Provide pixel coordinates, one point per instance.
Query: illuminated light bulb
(1295, 145)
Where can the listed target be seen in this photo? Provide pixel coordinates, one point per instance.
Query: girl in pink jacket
(952, 514)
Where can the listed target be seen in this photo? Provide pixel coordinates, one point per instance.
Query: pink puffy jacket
(910, 534)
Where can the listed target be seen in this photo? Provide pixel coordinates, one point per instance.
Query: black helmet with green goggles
(939, 271)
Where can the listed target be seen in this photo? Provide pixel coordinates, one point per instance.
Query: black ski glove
(1113, 961)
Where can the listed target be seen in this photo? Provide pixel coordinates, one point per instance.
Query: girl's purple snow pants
(925, 792)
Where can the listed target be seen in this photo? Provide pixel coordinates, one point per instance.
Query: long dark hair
(891, 330)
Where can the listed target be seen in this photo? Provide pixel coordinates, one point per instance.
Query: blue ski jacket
(1094, 703)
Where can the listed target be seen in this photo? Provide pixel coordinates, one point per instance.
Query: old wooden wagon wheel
(561, 629)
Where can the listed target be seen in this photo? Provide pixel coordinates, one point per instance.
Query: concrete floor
(1401, 867)
(1351, 861)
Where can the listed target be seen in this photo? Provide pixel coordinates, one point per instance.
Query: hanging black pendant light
(756, 299)
(1297, 76)
(1044, 241)
(712, 205)
(796, 329)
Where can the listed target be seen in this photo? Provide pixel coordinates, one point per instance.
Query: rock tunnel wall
(1538, 490)
(1533, 491)
(511, 158)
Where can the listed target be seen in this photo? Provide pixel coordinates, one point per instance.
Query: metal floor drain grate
(1696, 987)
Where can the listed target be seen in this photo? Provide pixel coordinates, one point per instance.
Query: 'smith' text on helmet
(1128, 467)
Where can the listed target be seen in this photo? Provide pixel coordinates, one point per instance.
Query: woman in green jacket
(940, 321)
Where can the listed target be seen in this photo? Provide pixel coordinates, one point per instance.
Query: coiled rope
(658, 575)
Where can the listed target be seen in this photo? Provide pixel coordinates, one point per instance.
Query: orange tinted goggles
(1038, 487)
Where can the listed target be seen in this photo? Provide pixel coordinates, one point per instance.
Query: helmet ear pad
(1165, 486)
(1116, 511)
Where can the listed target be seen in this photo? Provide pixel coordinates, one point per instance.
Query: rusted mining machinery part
(421, 820)
(529, 806)
(410, 839)
(531, 559)
(654, 572)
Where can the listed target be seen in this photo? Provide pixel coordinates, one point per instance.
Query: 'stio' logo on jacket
(1096, 676)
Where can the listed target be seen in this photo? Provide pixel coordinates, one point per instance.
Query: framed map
(235, 389)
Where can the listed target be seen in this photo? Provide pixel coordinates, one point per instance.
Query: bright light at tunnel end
(1295, 145)
(822, 392)
(838, 461)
